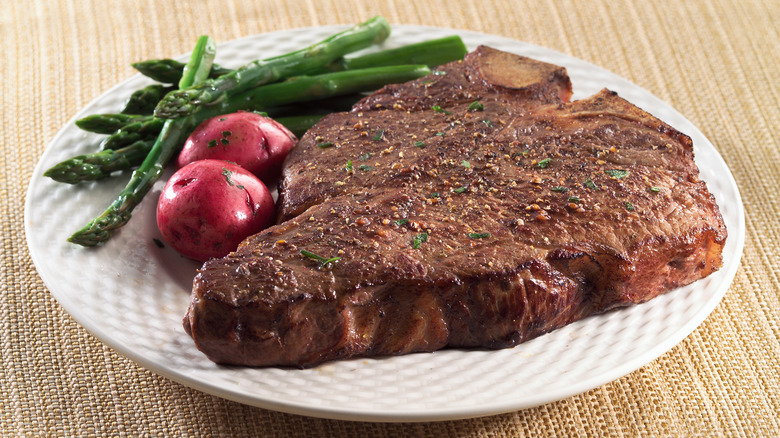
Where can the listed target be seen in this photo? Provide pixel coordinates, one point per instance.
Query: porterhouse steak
(474, 207)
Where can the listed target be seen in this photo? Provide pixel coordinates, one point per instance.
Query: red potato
(208, 207)
(256, 143)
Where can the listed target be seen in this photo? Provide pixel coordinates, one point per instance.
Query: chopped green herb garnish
(476, 106)
(560, 189)
(544, 163)
(590, 184)
(402, 221)
(379, 134)
(222, 119)
(419, 239)
(466, 164)
(227, 174)
(349, 166)
(212, 143)
(655, 189)
(460, 190)
(419, 144)
(629, 206)
(435, 195)
(324, 145)
(226, 134)
(323, 261)
(574, 199)
(441, 134)
(616, 173)
(365, 156)
(224, 141)
(365, 168)
(439, 109)
(487, 123)
(479, 235)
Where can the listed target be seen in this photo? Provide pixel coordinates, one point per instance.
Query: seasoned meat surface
(475, 207)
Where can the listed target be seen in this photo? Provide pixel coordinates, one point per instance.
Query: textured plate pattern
(132, 295)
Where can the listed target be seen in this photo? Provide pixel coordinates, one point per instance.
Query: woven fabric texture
(715, 61)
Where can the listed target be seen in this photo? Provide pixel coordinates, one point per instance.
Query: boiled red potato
(208, 207)
(255, 142)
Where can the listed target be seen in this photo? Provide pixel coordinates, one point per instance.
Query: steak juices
(474, 207)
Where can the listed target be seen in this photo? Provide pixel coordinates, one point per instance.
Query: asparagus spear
(141, 129)
(302, 89)
(187, 101)
(431, 53)
(168, 71)
(118, 213)
(298, 89)
(137, 129)
(108, 123)
(144, 101)
(124, 127)
(99, 165)
(307, 88)
(91, 167)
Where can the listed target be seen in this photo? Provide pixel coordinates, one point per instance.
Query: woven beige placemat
(715, 61)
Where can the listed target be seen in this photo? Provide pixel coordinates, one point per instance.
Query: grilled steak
(475, 207)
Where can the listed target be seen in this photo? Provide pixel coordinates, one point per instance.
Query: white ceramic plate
(132, 295)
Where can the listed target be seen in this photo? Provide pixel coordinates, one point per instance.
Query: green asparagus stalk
(129, 129)
(187, 101)
(100, 165)
(431, 53)
(168, 71)
(109, 123)
(198, 68)
(309, 88)
(299, 89)
(124, 129)
(142, 129)
(121, 126)
(92, 167)
(144, 101)
(118, 213)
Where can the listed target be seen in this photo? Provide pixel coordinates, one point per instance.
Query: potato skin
(257, 143)
(208, 207)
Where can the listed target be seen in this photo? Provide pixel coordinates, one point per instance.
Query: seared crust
(463, 227)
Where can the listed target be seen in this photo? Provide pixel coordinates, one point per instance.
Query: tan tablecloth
(716, 61)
